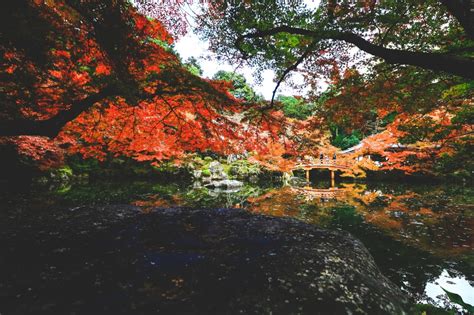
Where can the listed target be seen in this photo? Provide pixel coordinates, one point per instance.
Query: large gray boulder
(116, 260)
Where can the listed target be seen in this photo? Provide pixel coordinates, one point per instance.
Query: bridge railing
(330, 163)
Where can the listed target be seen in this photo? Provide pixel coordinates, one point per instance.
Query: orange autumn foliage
(144, 103)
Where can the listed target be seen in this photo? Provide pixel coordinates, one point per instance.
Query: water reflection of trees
(416, 218)
(411, 235)
(433, 219)
(414, 233)
(410, 217)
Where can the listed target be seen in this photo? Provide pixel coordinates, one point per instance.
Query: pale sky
(191, 46)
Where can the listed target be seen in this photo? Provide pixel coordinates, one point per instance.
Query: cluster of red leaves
(169, 124)
(71, 69)
(75, 65)
(166, 128)
(421, 155)
(41, 152)
(171, 14)
(352, 106)
(176, 113)
(272, 158)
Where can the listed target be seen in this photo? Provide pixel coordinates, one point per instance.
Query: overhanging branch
(51, 127)
(448, 63)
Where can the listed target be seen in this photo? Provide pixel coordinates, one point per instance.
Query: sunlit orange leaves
(102, 69)
(153, 108)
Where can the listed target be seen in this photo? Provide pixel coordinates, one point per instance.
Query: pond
(420, 235)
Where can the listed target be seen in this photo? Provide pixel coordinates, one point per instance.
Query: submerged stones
(214, 173)
(216, 177)
(173, 261)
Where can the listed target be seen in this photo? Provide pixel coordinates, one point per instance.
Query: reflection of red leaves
(382, 112)
(9, 56)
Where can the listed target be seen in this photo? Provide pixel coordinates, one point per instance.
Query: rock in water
(227, 183)
(115, 260)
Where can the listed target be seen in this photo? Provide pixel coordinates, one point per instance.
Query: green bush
(460, 164)
(81, 166)
(243, 169)
(345, 141)
(296, 107)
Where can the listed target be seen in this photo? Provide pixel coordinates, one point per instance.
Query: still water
(420, 235)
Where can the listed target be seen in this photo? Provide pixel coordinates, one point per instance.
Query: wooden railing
(324, 163)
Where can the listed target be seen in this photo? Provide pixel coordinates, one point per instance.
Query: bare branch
(288, 70)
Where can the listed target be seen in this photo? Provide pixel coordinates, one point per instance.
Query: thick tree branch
(463, 67)
(51, 127)
(191, 85)
(448, 63)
